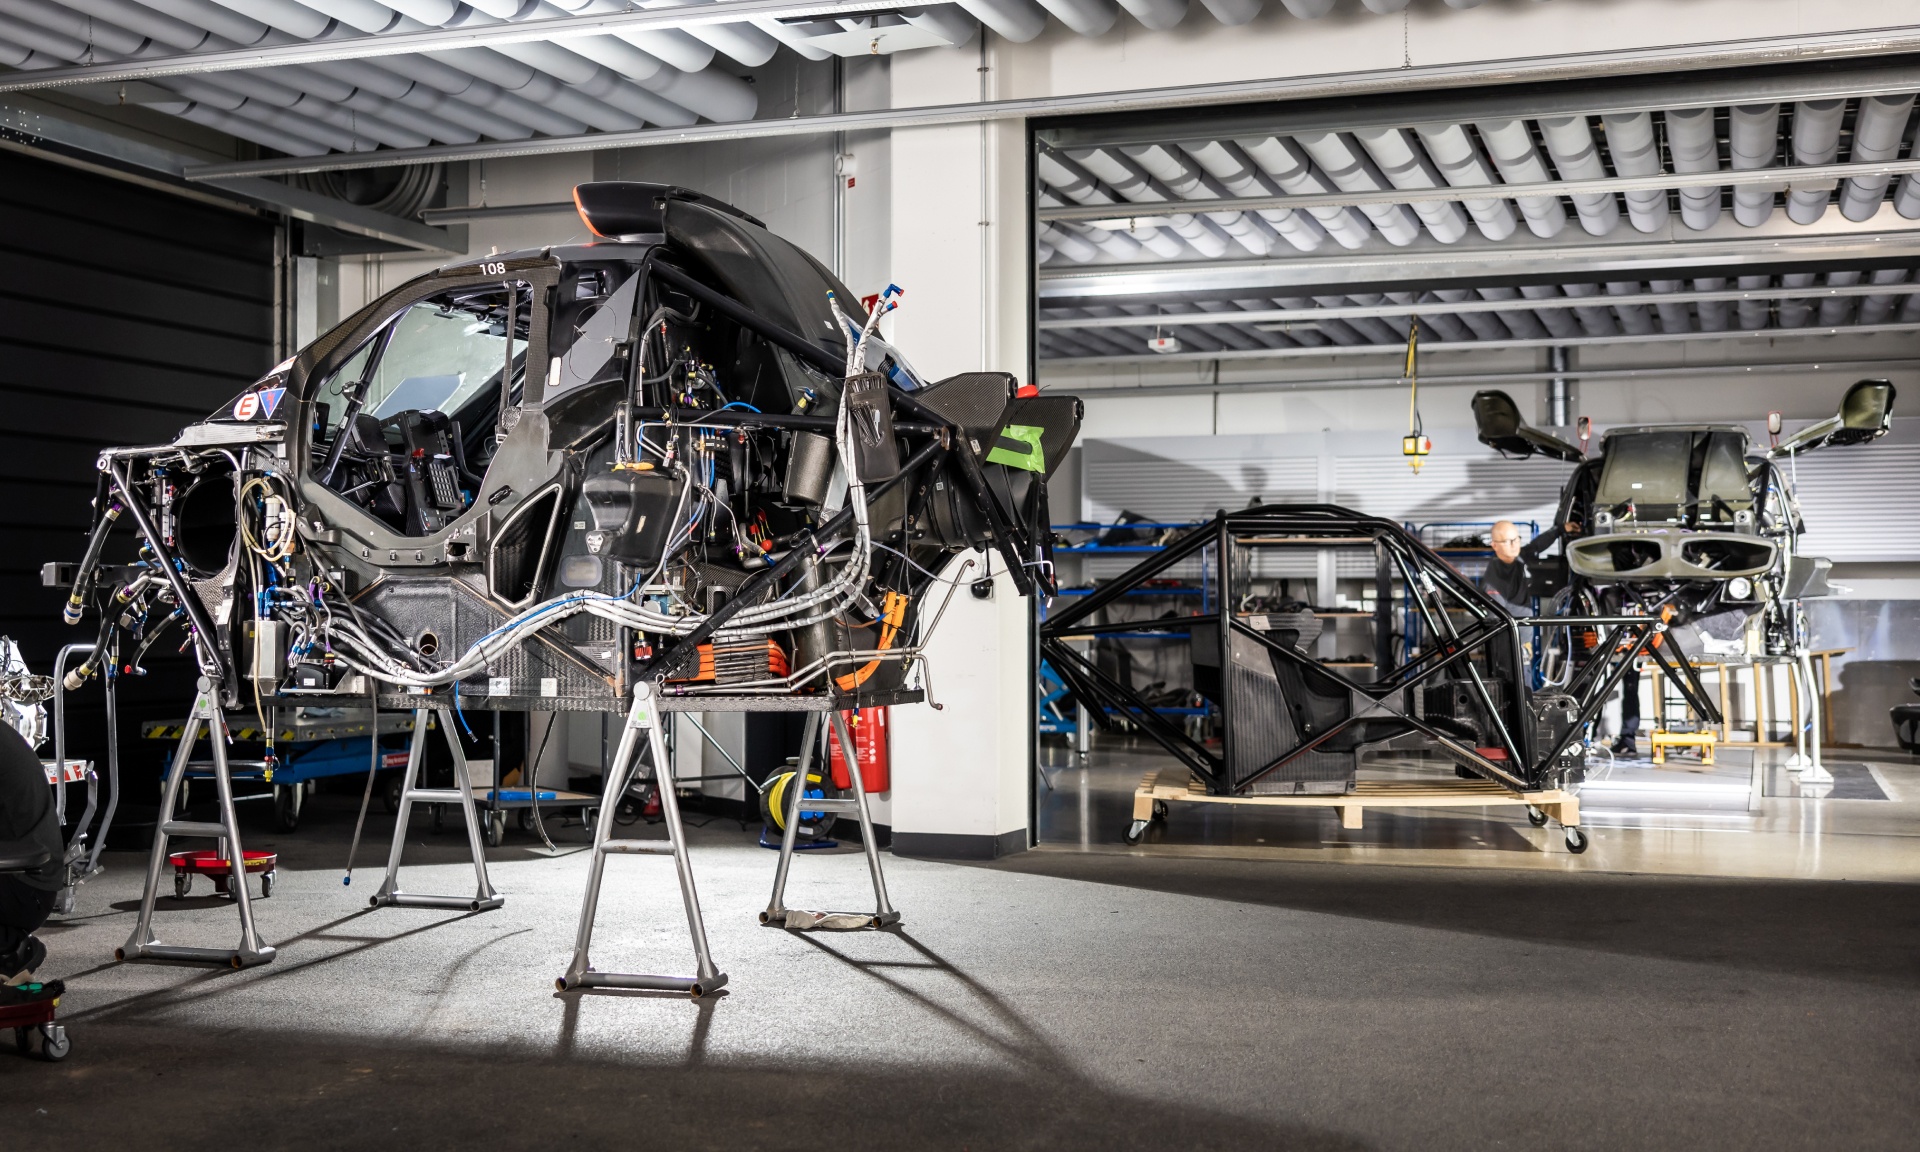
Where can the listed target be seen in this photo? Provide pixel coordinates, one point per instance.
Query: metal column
(461, 793)
(777, 914)
(644, 716)
(142, 945)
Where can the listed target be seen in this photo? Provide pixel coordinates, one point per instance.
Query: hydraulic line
(83, 575)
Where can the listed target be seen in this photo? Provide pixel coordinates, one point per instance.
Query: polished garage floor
(1186, 995)
(1735, 818)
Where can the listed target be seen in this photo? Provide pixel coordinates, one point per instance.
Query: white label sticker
(245, 407)
(549, 686)
(499, 685)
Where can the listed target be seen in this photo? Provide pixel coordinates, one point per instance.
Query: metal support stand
(460, 794)
(1806, 757)
(777, 914)
(644, 716)
(142, 945)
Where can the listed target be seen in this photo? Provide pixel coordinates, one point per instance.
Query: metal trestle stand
(644, 716)
(777, 914)
(142, 945)
(461, 794)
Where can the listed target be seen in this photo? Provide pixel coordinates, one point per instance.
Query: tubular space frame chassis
(1438, 593)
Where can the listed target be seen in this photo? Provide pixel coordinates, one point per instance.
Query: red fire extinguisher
(869, 726)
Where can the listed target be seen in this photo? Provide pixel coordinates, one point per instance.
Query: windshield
(437, 359)
(436, 356)
(404, 426)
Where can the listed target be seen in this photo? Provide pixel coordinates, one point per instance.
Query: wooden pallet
(1178, 784)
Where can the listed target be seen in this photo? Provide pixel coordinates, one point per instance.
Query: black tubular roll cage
(1430, 583)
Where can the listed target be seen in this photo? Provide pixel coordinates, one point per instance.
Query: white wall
(1445, 409)
(959, 244)
(960, 772)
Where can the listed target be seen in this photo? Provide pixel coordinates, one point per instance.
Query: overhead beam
(1477, 379)
(1307, 316)
(1428, 348)
(41, 129)
(437, 40)
(467, 213)
(1815, 177)
(312, 206)
(1885, 240)
(1420, 79)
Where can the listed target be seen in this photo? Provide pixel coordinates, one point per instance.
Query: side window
(590, 324)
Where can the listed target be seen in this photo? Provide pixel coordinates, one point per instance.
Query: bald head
(1505, 539)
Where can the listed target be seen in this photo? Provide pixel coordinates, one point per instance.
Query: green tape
(1019, 447)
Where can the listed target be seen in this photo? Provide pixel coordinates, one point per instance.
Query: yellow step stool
(1701, 740)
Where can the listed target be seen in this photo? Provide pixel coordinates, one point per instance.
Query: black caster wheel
(266, 885)
(182, 884)
(286, 806)
(1536, 817)
(1577, 841)
(391, 796)
(1160, 810)
(1135, 831)
(526, 819)
(20, 1042)
(439, 816)
(54, 1044)
(496, 829)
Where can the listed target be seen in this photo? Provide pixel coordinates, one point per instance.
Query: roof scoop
(612, 209)
(1497, 419)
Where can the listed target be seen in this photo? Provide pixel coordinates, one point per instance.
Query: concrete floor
(1257, 997)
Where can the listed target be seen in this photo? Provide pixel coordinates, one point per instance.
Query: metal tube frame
(142, 944)
(1427, 578)
(111, 685)
(389, 894)
(60, 726)
(643, 716)
(75, 872)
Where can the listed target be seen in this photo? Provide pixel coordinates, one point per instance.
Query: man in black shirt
(1507, 581)
(1506, 576)
(26, 813)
